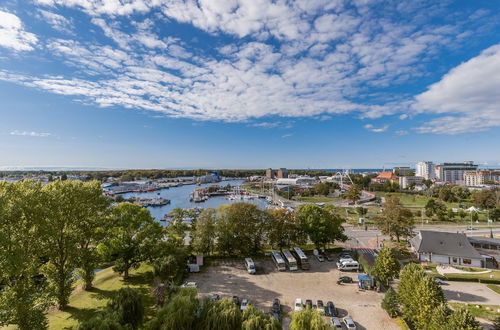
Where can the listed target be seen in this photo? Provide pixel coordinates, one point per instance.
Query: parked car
(349, 323)
(330, 309)
(189, 285)
(344, 279)
(215, 297)
(345, 255)
(298, 305)
(244, 304)
(471, 228)
(336, 323)
(276, 308)
(320, 258)
(439, 281)
(236, 300)
(320, 307)
(309, 303)
(329, 257)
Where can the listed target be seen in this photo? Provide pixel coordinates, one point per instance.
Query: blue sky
(248, 83)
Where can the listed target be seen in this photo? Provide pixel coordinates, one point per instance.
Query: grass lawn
(84, 304)
(480, 311)
(494, 287)
(315, 199)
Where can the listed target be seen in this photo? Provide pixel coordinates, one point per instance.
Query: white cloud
(58, 22)
(401, 132)
(468, 95)
(374, 129)
(13, 35)
(27, 133)
(284, 136)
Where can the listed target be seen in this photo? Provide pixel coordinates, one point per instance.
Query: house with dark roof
(445, 248)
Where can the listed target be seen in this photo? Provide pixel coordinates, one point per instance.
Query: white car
(349, 323)
(189, 285)
(336, 323)
(298, 305)
(244, 304)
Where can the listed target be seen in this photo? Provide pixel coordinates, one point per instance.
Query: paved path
(469, 292)
(452, 270)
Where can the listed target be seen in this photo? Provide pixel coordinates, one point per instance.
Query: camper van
(348, 265)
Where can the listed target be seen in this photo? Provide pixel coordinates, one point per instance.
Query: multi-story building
(401, 171)
(282, 173)
(454, 172)
(481, 177)
(425, 170)
(383, 177)
(270, 173)
(406, 181)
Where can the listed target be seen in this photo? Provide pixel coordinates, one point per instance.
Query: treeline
(421, 302)
(242, 229)
(53, 234)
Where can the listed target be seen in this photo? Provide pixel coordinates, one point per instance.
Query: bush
(102, 322)
(128, 306)
(390, 303)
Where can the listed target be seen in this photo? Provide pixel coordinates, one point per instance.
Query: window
(455, 260)
(467, 261)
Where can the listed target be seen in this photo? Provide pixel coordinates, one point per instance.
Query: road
(470, 292)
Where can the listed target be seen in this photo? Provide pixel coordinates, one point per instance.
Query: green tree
(419, 295)
(23, 300)
(353, 193)
(91, 230)
(496, 323)
(434, 207)
(284, 229)
(101, 321)
(179, 313)
(439, 318)
(127, 305)
(462, 319)
(390, 303)
(386, 265)
(322, 225)
(495, 214)
(70, 224)
(361, 211)
(240, 229)
(395, 220)
(485, 198)
(133, 238)
(462, 214)
(204, 232)
(308, 319)
(254, 319)
(474, 216)
(169, 259)
(221, 314)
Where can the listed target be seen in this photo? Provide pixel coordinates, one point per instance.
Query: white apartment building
(454, 172)
(479, 178)
(425, 170)
(406, 181)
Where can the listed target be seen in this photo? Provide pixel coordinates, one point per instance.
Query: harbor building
(406, 181)
(401, 171)
(425, 170)
(270, 173)
(481, 177)
(282, 173)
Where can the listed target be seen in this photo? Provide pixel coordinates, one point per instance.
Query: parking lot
(229, 278)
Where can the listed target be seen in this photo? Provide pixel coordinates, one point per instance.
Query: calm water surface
(179, 197)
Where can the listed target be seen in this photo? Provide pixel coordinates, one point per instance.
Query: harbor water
(179, 198)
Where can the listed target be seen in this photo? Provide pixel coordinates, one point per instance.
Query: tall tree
(204, 233)
(240, 228)
(179, 313)
(386, 265)
(284, 229)
(254, 319)
(353, 193)
(322, 225)
(23, 297)
(71, 205)
(462, 319)
(395, 220)
(390, 303)
(222, 314)
(133, 238)
(485, 198)
(91, 230)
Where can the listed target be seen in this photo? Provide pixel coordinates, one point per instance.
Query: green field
(316, 199)
(494, 287)
(481, 311)
(84, 304)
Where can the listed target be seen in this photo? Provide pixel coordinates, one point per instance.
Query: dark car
(215, 297)
(276, 308)
(344, 279)
(330, 309)
(329, 257)
(236, 300)
(309, 303)
(320, 307)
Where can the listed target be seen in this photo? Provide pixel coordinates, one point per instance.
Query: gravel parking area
(229, 278)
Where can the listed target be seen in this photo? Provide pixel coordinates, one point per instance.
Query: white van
(348, 265)
(250, 265)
